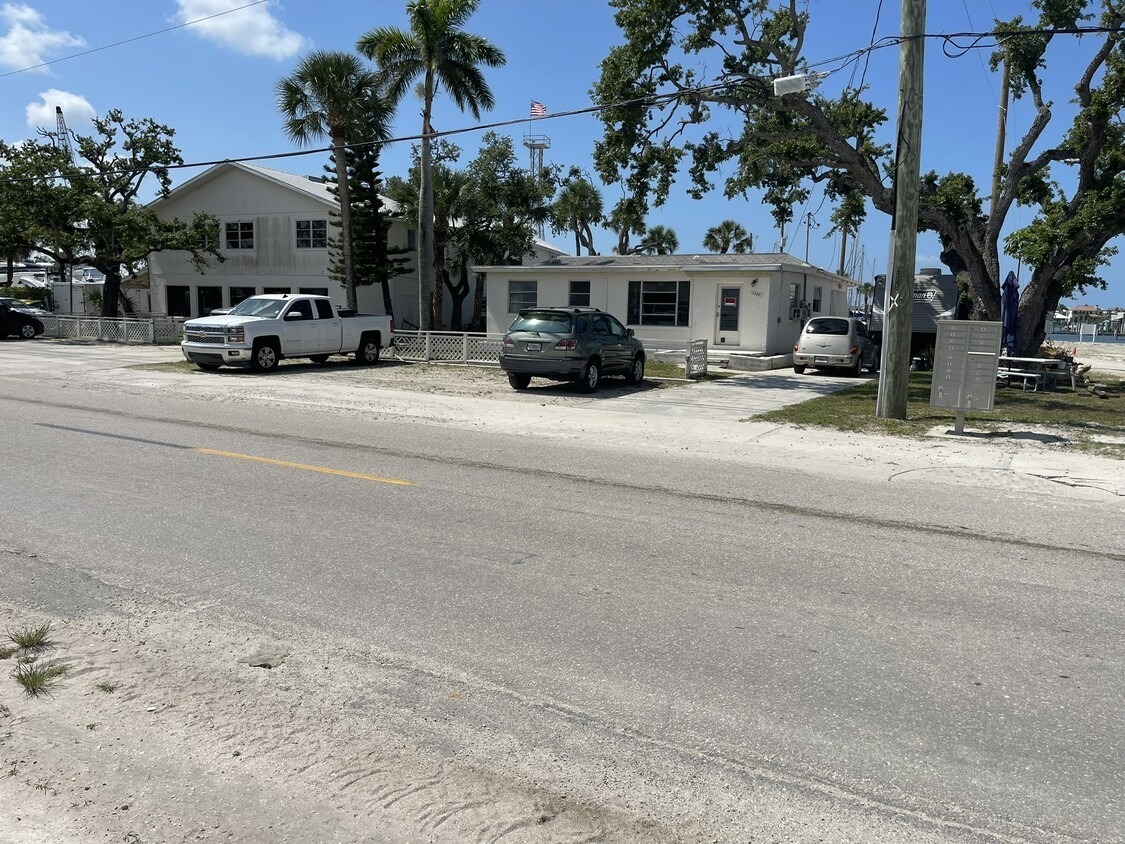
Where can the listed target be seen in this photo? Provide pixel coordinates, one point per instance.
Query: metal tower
(536, 144)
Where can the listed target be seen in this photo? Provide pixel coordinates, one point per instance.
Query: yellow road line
(288, 465)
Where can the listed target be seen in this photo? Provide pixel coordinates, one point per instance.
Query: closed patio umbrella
(1009, 311)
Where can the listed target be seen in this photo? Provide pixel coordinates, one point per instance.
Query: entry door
(729, 310)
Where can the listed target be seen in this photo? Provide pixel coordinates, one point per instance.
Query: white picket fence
(150, 331)
(448, 346)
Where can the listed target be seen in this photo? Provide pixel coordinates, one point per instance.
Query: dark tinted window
(324, 309)
(837, 327)
(552, 322)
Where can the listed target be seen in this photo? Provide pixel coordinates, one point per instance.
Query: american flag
(538, 109)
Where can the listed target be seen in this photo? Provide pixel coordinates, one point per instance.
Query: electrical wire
(653, 100)
(131, 40)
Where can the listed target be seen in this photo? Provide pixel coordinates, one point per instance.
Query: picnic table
(1036, 372)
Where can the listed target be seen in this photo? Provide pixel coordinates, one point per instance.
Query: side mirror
(629, 331)
(294, 315)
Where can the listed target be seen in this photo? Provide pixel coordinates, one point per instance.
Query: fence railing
(153, 330)
(450, 346)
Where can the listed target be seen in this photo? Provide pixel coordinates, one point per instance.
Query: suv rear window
(827, 326)
(549, 321)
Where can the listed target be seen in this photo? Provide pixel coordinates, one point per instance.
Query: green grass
(38, 679)
(1075, 415)
(106, 686)
(32, 638)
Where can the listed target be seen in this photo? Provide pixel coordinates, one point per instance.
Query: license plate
(820, 360)
(535, 347)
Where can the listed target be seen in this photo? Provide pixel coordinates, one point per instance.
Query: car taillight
(795, 346)
(855, 350)
(567, 345)
(508, 341)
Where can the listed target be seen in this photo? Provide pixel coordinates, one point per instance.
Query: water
(1072, 340)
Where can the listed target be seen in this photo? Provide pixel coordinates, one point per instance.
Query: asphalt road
(747, 648)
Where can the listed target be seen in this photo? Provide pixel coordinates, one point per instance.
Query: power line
(131, 40)
(655, 100)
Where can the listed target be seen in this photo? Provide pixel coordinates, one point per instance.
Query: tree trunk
(111, 290)
(344, 194)
(388, 308)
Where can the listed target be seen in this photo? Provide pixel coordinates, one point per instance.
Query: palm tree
(727, 236)
(578, 209)
(660, 240)
(436, 51)
(329, 94)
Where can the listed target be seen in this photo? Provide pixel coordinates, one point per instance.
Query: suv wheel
(518, 381)
(591, 376)
(636, 372)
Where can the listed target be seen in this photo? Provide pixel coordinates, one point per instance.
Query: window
(324, 309)
(522, 295)
(659, 303)
(302, 307)
(580, 293)
(209, 298)
(817, 294)
(237, 294)
(239, 236)
(312, 234)
(794, 295)
(179, 300)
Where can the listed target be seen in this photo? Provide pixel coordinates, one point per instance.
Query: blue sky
(213, 81)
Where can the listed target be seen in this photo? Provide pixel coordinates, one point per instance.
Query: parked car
(18, 322)
(837, 343)
(570, 344)
(26, 307)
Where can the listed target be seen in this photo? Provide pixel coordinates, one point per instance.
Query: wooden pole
(894, 382)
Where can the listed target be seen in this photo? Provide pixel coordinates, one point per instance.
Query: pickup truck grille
(217, 336)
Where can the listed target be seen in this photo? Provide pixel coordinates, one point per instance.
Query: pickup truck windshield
(265, 308)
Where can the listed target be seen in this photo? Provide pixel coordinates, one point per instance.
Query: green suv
(570, 344)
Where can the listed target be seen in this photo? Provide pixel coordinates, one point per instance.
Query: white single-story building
(274, 229)
(756, 302)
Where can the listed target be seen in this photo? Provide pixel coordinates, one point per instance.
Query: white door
(728, 313)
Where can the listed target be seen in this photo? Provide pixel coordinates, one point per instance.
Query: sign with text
(966, 357)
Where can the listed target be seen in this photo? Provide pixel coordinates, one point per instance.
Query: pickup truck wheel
(265, 357)
(518, 381)
(318, 358)
(368, 351)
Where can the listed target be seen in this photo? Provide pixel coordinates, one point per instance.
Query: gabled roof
(321, 191)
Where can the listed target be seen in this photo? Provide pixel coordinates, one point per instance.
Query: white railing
(448, 346)
(154, 330)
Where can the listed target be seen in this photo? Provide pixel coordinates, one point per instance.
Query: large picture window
(239, 235)
(660, 303)
(312, 234)
(522, 295)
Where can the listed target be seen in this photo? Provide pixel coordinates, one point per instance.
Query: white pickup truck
(262, 330)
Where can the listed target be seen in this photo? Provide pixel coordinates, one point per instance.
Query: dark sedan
(20, 323)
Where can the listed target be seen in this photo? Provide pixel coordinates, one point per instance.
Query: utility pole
(1001, 131)
(894, 381)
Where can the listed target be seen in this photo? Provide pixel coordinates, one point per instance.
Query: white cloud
(77, 111)
(27, 41)
(253, 31)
